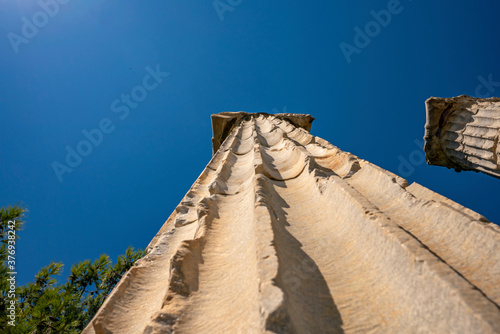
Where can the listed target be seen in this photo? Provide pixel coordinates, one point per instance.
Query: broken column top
(224, 122)
(456, 131)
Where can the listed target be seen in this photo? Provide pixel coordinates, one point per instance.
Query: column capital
(224, 122)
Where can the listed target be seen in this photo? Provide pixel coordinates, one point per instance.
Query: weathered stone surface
(285, 233)
(462, 133)
(224, 122)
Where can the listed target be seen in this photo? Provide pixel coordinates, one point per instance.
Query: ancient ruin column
(285, 233)
(462, 133)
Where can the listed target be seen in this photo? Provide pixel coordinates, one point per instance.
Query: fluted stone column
(285, 233)
(462, 133)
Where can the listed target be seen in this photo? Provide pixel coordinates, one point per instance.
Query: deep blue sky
(263, 56)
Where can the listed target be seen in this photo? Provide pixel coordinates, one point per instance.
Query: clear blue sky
(81, 67)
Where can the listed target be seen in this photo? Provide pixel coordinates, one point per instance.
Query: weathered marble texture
(285, 233)
(462, 133)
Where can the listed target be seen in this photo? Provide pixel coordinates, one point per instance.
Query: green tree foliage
(45, 306)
